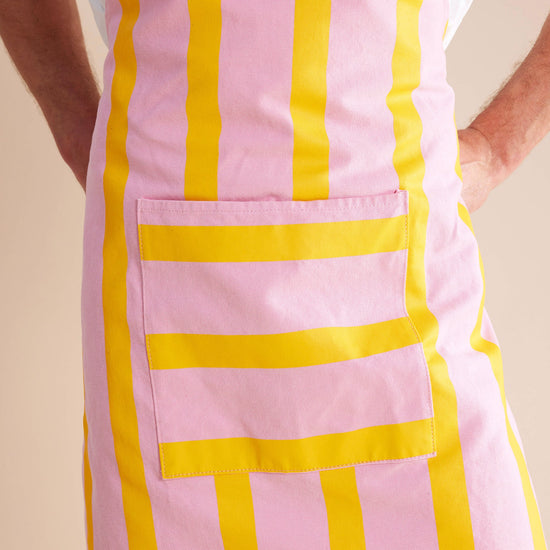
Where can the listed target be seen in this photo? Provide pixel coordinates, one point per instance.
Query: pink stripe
(492, 476)
(157, 119)
(289, 511)
(254, 82)
(185, 513)
(274, 296)
(454, 290)
(357, 117)
(396, 501)
(292, 403)
(184, 510)
(106, 491)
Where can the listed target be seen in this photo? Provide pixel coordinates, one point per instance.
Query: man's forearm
(519, 115)
(44, 39)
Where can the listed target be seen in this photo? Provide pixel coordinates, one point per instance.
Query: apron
(285, 344)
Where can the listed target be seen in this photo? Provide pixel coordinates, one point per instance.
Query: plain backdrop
(41, 225)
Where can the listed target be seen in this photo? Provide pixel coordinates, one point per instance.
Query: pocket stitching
(295, 470)
(156, 407)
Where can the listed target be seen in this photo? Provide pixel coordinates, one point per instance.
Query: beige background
(41, 222)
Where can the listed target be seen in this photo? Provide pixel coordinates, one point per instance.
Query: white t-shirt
(457, 11)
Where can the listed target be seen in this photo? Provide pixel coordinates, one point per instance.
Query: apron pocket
(277, 335)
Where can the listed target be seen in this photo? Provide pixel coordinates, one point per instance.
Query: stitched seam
(149, 353)
(282, 471)
(284, 210)
(281, 206)
(419, 340)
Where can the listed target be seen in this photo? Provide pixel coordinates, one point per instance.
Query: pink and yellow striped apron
(285, 345)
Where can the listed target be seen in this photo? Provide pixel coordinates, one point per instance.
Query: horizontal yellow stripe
(386, 442)
(300, 348)
(243, 243)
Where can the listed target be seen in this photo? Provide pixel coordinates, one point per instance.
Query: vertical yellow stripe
(308, 99)
(135, 497)
(493, 352)
(450, 498)
(310, 173)
(345, 518)
(203, 115)
(532, 509)
(236, 511)
(88, 488)
(234, 496)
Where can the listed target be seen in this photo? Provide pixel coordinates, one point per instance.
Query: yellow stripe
(465, 216)
(493, 352)
(203, 115)
(534, 516)
(300, 348)
(135, 497)
(374, 443)
(88, 489)
(236, 512)
(450, 498)
(308, 99)
(345, 518)
(247, 243)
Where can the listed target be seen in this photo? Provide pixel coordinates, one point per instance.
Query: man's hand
(72, 132)
(45, 42)
(501, 136)
(475, 161)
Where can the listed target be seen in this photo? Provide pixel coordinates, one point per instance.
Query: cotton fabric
(285, 340)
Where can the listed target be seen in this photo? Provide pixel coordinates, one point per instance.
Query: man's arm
(44, 39)
(518, 117)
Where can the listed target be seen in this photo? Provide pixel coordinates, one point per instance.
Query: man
(487, 156)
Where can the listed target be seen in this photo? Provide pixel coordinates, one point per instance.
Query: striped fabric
(457, 11)
(285, 344)
(255, 369)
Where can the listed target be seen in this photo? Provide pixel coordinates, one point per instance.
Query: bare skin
(515, 120)
(45, 42)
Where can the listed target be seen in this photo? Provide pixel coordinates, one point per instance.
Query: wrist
(71, 118)
(496, 159)
(72, 130)
(74, 139)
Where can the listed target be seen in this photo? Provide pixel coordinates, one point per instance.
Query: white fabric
(457, 11)
(98, 7)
